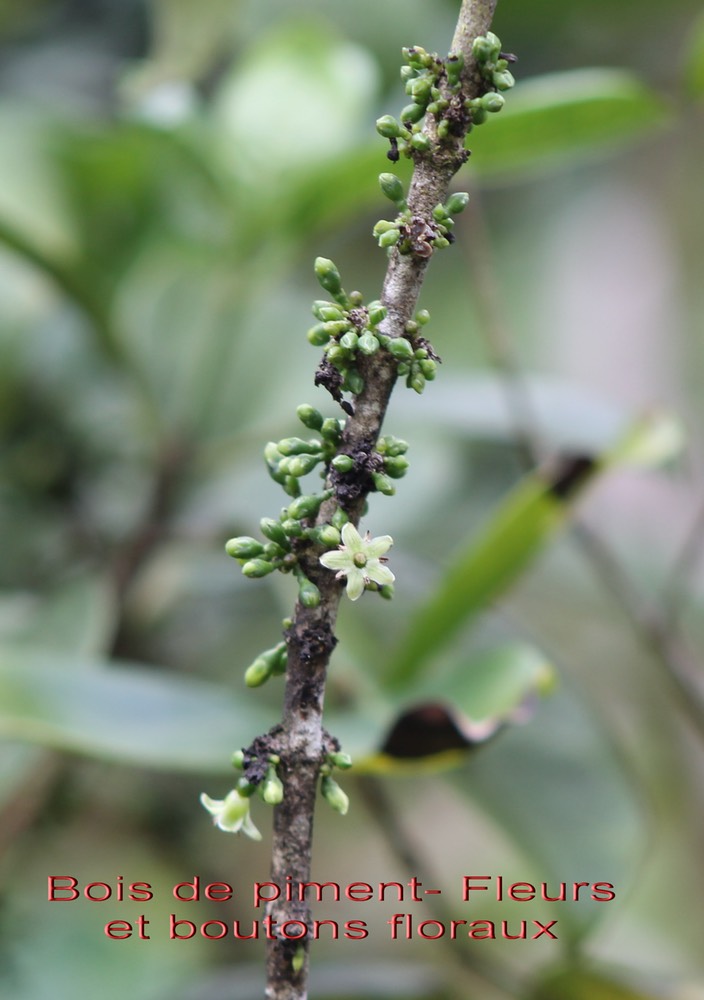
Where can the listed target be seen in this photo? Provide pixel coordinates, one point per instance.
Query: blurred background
(168, 172)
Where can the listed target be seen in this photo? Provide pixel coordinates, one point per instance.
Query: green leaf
(563, 118)
(123, 712)
(300, 97)
(527, 520)
(78, 617)
(441, 720)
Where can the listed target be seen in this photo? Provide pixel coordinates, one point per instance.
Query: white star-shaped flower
(231, 814)
(360, 560)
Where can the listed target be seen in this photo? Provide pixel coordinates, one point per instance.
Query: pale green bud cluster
(347, 327)
(354, 330)
(412, 235)
(329, 788)
(493, 63)
(423, 75)
(270, 789)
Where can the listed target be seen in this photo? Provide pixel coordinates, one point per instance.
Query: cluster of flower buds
(493, 63)
(410, 234)
(329, 788)
(346, 326)
(430, 82)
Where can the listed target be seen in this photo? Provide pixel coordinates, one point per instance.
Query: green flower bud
(412, 113)
(486, 48)
(271, 788)
(421, 142)
(389, 239)
(328, 535)
(457, 202)
(331, 429)
(256, 568)
(479, 116)
(396, 466)
(383, 484)
(336, 354)
(299, 959)
(401, 348)
(245, 787)
(292, 528)
(429, 368)
(335, 327)
(297, 446)
(307, 506)
(301, 465)
(317, 335)
(308, 593)
(416, 382)
(238, 760)
(281, 661)
(354, 382)
(440, 213)
(339, 758)
(493, 102)
(328, 275)
(388, 127)
(349, 340)
(342, 463)
(243, 547)
(395, 446)
(339, 519)
(392, 187)
(272, 551)
(504, 80)
(330, 314)
(258, 672)
(383, 226)
(368, 343)
(291, 485)
(334, 795)
(440, 243)
(387, 591)
(377, 312)
(443, 128)
(419, 89)
(407, 73)
(453, 67)
(272, 530)
(423, 317)
(309, 416)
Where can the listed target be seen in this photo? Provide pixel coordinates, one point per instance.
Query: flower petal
(379, 573)
(337, 560)
(355, 584)
(249, 829)
(351, 538)
(376, 547)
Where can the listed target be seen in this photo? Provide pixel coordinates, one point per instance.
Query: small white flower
(231, 814)
(360, 560)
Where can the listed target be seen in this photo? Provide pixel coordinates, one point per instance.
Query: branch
(301, 741)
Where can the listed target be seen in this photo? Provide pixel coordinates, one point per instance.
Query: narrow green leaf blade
(563, 118)
(534, 511)
(483, 568)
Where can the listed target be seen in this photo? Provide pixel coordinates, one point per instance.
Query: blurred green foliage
(167, 173)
